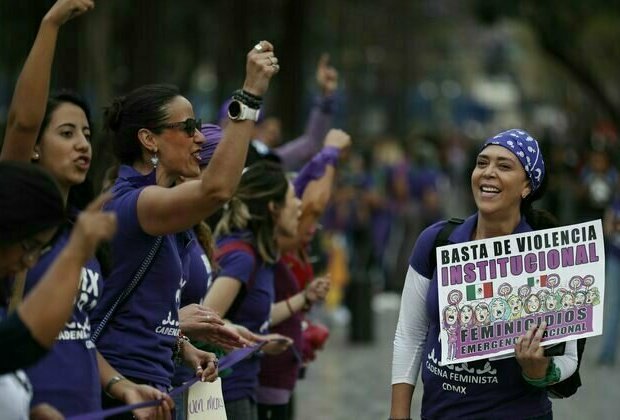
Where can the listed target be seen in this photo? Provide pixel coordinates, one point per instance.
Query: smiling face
(179, 152)
(64, 149)
(498, 181)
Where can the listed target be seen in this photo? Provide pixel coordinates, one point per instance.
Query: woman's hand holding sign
(530, 354)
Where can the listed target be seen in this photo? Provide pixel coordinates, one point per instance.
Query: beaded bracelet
(177, 354)
(251, 95)
(247, 99)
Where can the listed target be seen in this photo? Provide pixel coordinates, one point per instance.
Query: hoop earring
(155, 160)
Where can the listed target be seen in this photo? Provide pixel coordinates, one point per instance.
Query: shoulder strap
(133, 284)
(443, 236)
(239, 245)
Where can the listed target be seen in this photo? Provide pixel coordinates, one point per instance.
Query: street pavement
(352, 381)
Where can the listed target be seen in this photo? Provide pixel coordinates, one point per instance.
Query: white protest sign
(205, 401)
(491, 291)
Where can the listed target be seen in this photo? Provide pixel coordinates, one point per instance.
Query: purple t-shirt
(139, 339)
(68, 376)
(198, 273)
(252, 309)
(481, 389)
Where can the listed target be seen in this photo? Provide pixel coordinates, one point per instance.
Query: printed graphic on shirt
(89, 290)
(458, 376)
(491, 291)
(78, 328)
(170, 324)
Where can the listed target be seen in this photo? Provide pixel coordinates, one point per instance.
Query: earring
(155, 160)
(35, 156)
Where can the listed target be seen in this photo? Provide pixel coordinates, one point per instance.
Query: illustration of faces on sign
(482, 305)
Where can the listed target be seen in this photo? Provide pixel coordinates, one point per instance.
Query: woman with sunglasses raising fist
(157, 140)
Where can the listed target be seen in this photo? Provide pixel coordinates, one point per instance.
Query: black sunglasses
(190, 126)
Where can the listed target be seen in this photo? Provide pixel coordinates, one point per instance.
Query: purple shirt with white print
(481, 389)
(198, 273)
(68, 376)
(139, 339)
(252, 309)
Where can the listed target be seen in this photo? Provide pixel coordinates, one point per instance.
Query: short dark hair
(30, 202)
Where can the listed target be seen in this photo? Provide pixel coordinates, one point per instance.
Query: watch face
(234, 109)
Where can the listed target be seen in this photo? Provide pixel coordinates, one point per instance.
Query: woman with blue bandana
(508, 177)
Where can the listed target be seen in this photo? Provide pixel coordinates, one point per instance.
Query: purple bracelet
(315, 168)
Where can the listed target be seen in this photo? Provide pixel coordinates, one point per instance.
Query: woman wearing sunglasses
(156, 140)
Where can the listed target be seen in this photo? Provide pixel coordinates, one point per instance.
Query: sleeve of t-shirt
(19, 349)
(411, 330)
(125, 205)
(237, 265)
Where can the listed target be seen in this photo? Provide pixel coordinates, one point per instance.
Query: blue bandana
(526, 149)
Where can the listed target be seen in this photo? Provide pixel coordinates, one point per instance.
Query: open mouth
(196, 155)
(489, 191)
(83, 162)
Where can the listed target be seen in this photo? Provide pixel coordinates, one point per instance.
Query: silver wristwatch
(238, 111)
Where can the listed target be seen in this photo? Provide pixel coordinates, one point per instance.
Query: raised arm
(27, 108)
(46, 309)
(296, 152)
(168, 210)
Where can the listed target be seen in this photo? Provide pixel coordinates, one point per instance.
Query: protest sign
(205, 401)
(491, 291)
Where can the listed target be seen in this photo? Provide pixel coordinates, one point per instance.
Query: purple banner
(502, 335)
